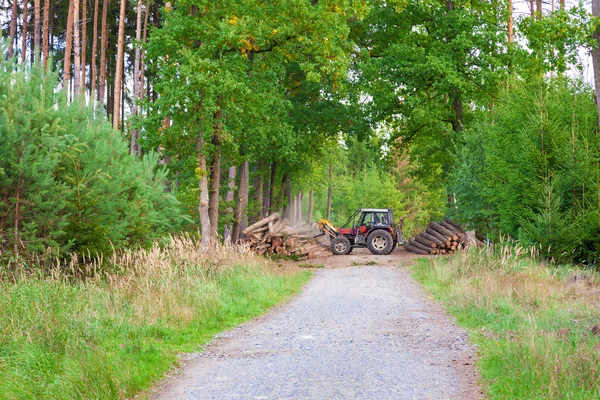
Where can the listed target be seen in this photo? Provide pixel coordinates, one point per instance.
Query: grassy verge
(116, 334)
(536, 326)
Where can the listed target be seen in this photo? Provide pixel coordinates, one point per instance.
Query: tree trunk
(289, 204)
(93, 60)
(119, 70)
(260, 182)
(531, 8)
(596, 55)
(458, 123)
(83, 46)
(266, 200)
(134, 147)
(77, 49)
(310, 206)
(203, 203)
(272, 187)
(284, 183)
(215, 184)
(13, 30)
(329, 190)
(143, 57)
(103, 47)
(24, 33)
(46, 36)
(37, 37)
(510, 21)
(290, 208)
(227, 233)
(68, 46)
(538, 9)
(241, 204)
(299, 206)
(245, 189)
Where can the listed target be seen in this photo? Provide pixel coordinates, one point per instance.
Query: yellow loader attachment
(328, 228)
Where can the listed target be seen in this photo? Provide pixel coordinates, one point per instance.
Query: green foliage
(554, 41)
(68, 181)
(530, 169)
(248, 65)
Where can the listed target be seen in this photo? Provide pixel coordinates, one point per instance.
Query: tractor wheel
(380, 242)
(340, 246)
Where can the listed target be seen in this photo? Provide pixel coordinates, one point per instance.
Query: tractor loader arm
(327, 228)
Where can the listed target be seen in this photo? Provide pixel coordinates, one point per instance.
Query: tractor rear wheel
(380, 242)
(340, 246)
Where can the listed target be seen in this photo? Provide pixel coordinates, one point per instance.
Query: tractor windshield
(374, 218)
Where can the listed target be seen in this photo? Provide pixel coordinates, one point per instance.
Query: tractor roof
(375, 209)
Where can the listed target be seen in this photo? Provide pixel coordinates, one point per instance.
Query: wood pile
(275, 235)
(445, 237)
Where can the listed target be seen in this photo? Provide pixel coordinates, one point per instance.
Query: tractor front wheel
(380, 242)
(340, 246)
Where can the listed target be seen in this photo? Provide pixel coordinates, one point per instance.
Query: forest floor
(361, 329)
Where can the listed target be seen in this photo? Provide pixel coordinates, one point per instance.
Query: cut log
(415, 250)
(278, 226)
(303, 229)
(259, 230)
(436, 234)
(443, 231)
(310, 249)
(425, 242)
(455, 225)
(262, 222)
(434, 239)
(418, 245)
(276, 242)
(453, 229)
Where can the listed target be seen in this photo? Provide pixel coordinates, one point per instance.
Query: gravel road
(354, 333)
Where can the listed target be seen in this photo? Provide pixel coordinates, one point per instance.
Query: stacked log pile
(274, 235)
(445, 237)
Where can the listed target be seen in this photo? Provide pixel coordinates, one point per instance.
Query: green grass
(535, 325)
(116, 336)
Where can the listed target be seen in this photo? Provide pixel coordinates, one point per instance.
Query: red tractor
(367, 227)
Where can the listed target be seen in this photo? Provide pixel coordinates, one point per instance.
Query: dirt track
(359, 332)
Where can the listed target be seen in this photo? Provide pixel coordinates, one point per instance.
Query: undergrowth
(536, 325)
(116, 333)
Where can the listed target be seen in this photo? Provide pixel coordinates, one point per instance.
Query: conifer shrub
(67, 181)
(531, 169)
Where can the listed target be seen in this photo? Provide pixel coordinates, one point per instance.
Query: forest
(124, 122)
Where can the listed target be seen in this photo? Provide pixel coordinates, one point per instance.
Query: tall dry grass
(536, 324)
(93, 328)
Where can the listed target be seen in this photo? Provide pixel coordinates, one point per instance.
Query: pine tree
(69, 183)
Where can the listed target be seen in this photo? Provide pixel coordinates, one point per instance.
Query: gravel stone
(354, 333)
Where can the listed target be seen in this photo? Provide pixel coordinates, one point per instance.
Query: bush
(68, 181)
(531, 169)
